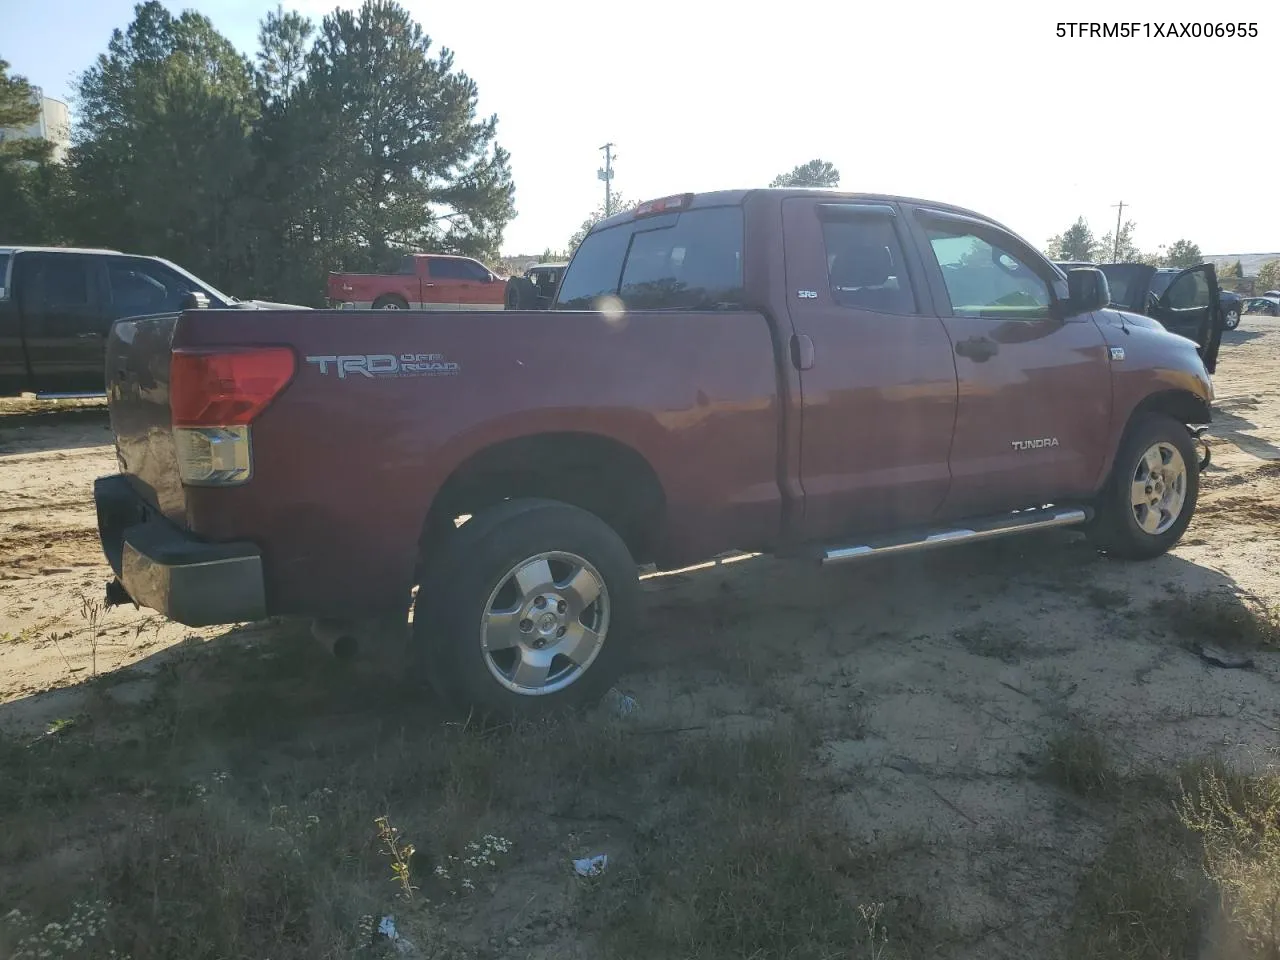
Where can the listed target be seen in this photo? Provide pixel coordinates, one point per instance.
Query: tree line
(337, 145)
(1078, 243)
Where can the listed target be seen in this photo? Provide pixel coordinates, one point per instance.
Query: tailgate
(138, 354)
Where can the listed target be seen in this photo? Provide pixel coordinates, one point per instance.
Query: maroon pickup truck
(820, 375)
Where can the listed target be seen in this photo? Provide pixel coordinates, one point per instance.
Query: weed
(1078, 761)
(1223, 620)
(1138, 900)
(999, 642)
(400, 854)
(1106, 598)
(91, 610)
(1237, 819)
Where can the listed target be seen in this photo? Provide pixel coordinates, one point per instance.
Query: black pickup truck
(57, 305)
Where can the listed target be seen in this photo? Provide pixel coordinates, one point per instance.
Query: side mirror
(195, 300)
(488, 278)
(1087, 290)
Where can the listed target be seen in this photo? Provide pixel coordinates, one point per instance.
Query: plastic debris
(620, 703)
(591, 866)
(387, 928)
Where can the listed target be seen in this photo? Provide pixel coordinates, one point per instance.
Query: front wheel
(1232, 319)
(526, 608)
(1151, 496)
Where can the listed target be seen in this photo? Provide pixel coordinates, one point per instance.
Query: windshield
(1125, 281)
(677, 261)
(4, 275)
(1160, 282)
(200, 284)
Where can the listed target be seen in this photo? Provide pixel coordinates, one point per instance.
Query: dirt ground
(935, 690)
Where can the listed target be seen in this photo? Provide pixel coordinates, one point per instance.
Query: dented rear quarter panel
(345, 469)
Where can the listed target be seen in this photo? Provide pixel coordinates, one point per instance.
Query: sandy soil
(938, 678)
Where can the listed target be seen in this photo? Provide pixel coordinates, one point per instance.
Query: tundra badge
(1034, 444)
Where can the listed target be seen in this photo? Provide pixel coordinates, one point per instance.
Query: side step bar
(1024, 521)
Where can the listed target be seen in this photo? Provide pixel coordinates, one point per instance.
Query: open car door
(1189, 307)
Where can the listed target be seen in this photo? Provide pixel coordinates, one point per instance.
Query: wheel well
(1183, 405)
(602, 476)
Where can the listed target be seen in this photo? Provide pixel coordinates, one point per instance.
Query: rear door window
(684, 261)
(865, 265)
(4, 275)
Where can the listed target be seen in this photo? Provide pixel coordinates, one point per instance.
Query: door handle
(87, 336)
(801, 351)
(977, 349)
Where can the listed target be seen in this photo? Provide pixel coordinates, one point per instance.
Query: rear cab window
(690, 260)
(865, 265)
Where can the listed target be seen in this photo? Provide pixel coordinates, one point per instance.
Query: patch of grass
(756, 867)
(1106, 598)
(1237, 820)
(1079, 761)
(1223, 620)
(1139, 900)
(997, 641)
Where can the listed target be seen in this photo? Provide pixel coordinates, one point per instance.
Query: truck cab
(57, 305)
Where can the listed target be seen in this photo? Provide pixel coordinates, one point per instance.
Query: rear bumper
(169, 570)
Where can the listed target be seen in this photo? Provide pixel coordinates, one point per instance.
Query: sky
(979, 104)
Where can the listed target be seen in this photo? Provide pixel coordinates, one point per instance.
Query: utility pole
(605, 173)
(1115, 252)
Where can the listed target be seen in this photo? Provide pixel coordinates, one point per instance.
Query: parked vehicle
(821, 375)
(1163, 292)
(536, 289)
(57, 304)
(1271, 293)
(424, 282)
(1266, 306)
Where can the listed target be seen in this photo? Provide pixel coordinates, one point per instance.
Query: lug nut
(526, 626)
(540, 602)
(561, 607)
(539, 643)
(560, 633)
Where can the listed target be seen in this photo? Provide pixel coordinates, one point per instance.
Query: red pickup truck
(425, 281)
(821, 375)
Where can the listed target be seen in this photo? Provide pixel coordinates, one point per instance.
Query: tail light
(214, 396)
(664, 205)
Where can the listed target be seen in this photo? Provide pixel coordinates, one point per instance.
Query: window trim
(996, 236)
(846, 212)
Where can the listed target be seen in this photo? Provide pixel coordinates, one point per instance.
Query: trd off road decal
(387, 365)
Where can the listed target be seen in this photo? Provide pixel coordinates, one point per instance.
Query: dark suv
(1164, 292)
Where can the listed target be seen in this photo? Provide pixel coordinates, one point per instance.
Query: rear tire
(526, 609)
(391, 302)
(1150, 497)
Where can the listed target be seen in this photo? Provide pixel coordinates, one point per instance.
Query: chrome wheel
(1159, 488)
(544, 623)
(1232, 319)
(391, 305)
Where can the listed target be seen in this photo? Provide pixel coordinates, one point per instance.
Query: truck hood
(1116, 317)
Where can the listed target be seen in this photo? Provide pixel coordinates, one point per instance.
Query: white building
(52, 124)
